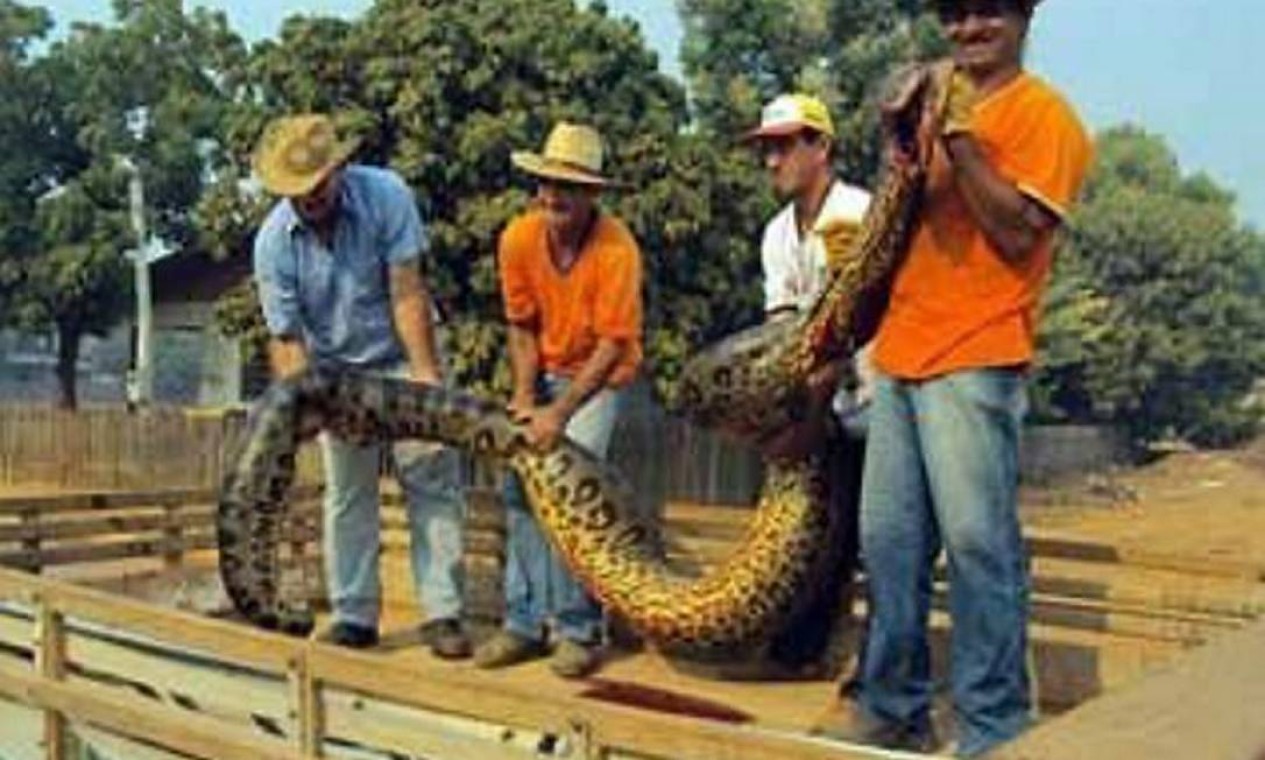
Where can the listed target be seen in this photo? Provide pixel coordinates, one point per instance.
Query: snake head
(911, 106)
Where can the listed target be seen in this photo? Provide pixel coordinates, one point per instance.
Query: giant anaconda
(751, 384)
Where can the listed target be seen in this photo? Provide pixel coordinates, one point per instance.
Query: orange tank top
(955, 302)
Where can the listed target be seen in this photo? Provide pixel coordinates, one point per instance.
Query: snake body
(752, 383)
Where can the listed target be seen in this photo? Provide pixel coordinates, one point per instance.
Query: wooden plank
(15, 631)
(1207, 704)
(485, 696)
(143, 719)
(107, 746)
(21, 732)
(1049, 544)
(202, 684)
(393, 728)
(60, 530)
(101, 500)
(266, 651)
(50, 663)
(155, 546)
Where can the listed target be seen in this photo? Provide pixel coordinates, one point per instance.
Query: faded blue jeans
(941, 470)
(430, 476)
(539, 588)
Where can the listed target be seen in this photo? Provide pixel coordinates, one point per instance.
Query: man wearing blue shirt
(336, 262)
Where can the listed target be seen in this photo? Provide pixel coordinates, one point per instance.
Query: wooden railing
(108, 448)
(82, 661)
(39, 532)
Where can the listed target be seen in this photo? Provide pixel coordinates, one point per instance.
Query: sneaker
(846, 721)
(350, 635)
(446, 639)
(506, 648)
(572, 659)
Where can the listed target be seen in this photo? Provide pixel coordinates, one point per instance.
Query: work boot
(507, 648)
(350, 635)
(446, 639)
(847, 721)
(572, 659)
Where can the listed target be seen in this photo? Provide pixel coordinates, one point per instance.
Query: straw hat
(297, 152)
(573, 153)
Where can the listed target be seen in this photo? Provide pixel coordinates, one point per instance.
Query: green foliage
(74, 115)
(76, 280)
(739, 54)
(24, 164)
(1156, 317)
(444, 91)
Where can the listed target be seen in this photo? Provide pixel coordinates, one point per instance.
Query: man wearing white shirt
(796, 140)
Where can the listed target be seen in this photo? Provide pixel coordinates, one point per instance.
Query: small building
(195, 363)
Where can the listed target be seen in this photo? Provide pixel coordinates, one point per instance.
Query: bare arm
(411, 309)
(1012, 222)
(548, 424)
(591, 378)
(524, 366)
(287, 357)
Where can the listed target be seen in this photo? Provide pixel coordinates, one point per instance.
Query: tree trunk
(67, 360)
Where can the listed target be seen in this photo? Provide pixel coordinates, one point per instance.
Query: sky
(1180, 68)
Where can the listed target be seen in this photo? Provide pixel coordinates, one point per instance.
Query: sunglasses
(779, 144)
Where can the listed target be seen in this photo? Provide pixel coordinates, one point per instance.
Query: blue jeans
(941, 468)
(430, 476)
(538, 584)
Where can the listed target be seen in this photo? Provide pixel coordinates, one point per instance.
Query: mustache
(976, 35)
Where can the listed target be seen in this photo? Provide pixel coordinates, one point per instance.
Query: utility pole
(141, 387)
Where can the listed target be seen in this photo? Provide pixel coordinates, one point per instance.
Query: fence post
(50, 663)
(305, 706)
(30, 519)
(173, 535)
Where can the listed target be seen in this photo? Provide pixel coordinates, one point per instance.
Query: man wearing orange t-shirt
(951, 352)
(571, 281)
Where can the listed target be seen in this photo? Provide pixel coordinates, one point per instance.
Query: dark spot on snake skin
(600, 519)
(588, 490)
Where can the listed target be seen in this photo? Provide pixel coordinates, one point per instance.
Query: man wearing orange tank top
(952, 354)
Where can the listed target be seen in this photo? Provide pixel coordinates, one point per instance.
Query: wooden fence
(140, 533)
(82, 668)
(108, 448)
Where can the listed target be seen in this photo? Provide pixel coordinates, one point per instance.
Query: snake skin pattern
(751, 384)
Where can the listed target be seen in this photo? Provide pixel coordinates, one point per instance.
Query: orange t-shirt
(599, 297)
(955, 303)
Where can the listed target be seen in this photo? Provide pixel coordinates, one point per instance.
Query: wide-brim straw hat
(297, 152)
(573, 153)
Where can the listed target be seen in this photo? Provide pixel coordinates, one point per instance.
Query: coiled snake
(752, 383)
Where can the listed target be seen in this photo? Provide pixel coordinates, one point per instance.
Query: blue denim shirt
(338, 299)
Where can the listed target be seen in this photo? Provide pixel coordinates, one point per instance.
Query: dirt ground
(1194, 504)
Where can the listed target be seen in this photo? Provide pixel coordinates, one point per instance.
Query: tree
(1156, 316)
(492, 78)
(739, 54)
(26, 166)
(76, 282)
(151, 88)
